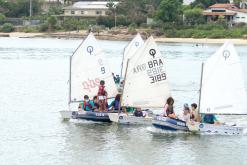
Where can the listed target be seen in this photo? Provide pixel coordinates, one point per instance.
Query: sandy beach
(121, 37)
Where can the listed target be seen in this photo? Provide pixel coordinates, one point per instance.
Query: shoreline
(120, 37)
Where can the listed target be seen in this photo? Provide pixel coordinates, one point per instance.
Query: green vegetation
(170, 18)
(2, 18)
(212, 30)
(7, 27)
(19, 8)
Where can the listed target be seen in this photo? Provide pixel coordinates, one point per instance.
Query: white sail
(88, 67)
(130, 50)
(223, 90)
(146, 82)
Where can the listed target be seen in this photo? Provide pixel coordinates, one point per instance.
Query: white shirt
(184, 117)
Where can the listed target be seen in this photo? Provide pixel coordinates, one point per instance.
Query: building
(231, 13)
(87, 9)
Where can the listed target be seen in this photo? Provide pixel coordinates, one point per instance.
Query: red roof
(223, 5)
(218, 13)
(239, 10)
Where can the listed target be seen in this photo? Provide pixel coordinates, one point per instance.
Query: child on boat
(168, 109)
(86, 105)
(138, 112)
(210, 119)
(186, 113)
(96, 104)
(194, 113)
(102, 96)
(115, 104)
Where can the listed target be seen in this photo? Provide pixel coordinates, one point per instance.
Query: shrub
(106, 21)
(2, 18)
(7, 27)
(43, 27)
(75, 24)
(30, 29)
(210, 26)
(52, 22)
(132, 28)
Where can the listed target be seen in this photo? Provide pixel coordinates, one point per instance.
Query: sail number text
(156, 71)
(154, 68)
(102, 68)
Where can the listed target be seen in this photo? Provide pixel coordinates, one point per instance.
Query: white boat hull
(130, 119)
(215, 129)
(66, 114)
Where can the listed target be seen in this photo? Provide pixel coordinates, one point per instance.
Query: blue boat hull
(92, 116)
(169, 124)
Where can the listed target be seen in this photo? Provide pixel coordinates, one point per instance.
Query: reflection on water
(34, 76)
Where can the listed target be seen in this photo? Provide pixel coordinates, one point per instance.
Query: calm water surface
(34, 82)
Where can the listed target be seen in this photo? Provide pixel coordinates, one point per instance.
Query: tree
(194, 16)
(169, 10)
(52, 21)
(135, 11)
(2, 18)
(19, 8)
(207, 3)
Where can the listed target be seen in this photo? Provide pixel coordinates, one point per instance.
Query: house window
(243, 17)
(98, 12)
(218, 10)
(82, 12)
(72, 12)
(237, 17)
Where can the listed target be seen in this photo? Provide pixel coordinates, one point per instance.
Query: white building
(87, 9)
(230, 12)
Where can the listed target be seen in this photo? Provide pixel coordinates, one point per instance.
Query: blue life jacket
(210, 119)
(116, 104)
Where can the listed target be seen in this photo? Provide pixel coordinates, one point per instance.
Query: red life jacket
(87, 104)
(101, 91)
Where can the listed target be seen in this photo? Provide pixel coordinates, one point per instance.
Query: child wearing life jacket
(86, 105)
(115, 105)
(102, 96)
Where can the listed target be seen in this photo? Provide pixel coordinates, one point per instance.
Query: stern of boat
(66, 115)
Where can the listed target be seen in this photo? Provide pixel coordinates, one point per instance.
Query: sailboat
(130, 51)
(146, 85)
(222, 90)
(87, 67)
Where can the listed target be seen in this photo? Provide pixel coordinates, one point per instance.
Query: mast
(123, 85)
(69, 99)
(122, 63)
(200, 90)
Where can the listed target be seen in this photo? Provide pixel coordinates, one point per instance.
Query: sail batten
(146, 83)
(88, 67)
(223, 90)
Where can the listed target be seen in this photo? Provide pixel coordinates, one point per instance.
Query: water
(34, 81)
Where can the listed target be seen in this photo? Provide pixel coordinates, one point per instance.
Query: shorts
(102, 97)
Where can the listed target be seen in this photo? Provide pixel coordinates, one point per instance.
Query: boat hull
(215, 129)
(93, 116)
(66, 115)
(169, 124)
(130, 119)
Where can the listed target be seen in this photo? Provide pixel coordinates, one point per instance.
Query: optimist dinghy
(146, 84)
(87, 67)
(222, 91)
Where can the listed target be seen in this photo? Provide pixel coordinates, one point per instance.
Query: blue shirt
(89, 105)
(209, 118)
